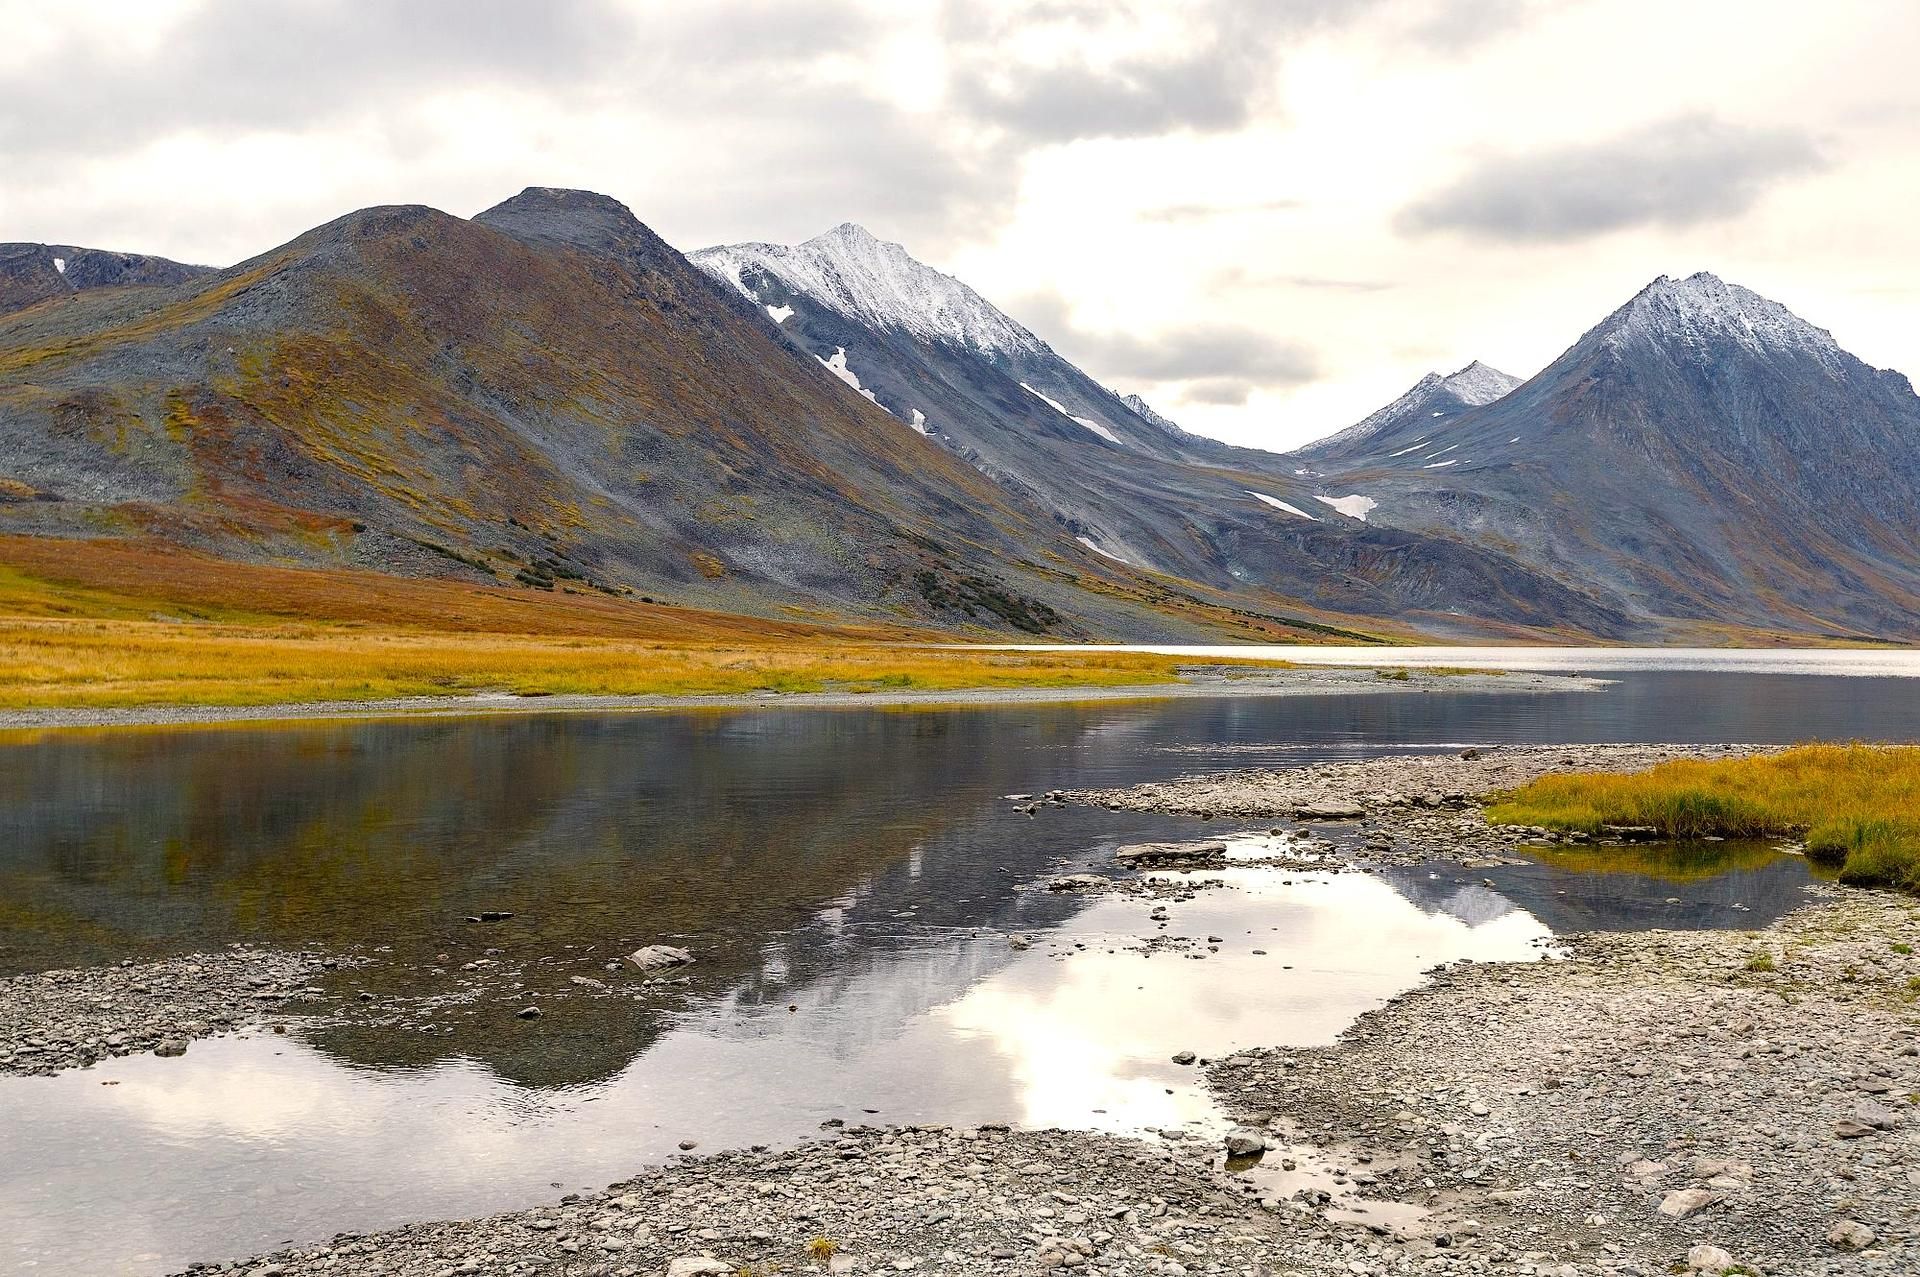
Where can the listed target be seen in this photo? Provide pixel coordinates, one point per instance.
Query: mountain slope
(1701, 454)
(547, 394)
(33, 273)
(1423, 411)
(1125, 482)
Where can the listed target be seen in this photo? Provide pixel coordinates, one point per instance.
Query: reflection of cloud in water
(268, 1138)
(1096, 1030)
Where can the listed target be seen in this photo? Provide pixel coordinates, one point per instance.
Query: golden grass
(1857, 806)
(111, 624)
(114, 663)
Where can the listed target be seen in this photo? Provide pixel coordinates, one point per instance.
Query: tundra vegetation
(1856, 807)
(92, 625)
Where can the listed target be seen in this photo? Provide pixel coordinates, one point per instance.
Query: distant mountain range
(551, 396)
(546, 396)
(32, 273)
(1123, 481)
(1702, 455)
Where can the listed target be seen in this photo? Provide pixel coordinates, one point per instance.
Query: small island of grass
(1855, 806)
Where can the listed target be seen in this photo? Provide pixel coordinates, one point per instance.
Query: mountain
(546, 396)
(1701, 456)
(33, 273)
(865, 303)
(1407, 421)
(1122, 480)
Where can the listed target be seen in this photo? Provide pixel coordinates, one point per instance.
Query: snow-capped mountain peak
(1145, 411)
(1703, 309)
(1477, 384)
(1435, 396)
(850, 270)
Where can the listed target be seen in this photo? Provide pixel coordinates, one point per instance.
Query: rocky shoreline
(57, 1020)
(1704, 1101)
(1656, 1102)
(1402, 809)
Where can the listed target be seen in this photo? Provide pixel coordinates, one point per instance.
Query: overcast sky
(1267, 216)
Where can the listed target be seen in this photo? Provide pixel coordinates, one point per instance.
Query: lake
(850, 880)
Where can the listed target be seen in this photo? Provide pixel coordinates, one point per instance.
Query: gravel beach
(1657, 1102)
(55, 1020)
(1401, 809)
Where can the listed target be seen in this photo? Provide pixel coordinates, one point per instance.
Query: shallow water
(849, 880)
(1832, 662)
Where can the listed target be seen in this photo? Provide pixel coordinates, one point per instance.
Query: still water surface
(849, 879)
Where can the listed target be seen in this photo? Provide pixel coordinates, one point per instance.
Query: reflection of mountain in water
(1443, 890)
(721, 831)
(1619, 888)
(744, 836)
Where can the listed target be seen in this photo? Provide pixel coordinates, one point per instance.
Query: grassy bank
(108, 625)
(105, 664)
(1856, 806)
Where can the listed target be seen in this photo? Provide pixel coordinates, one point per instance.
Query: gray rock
(656, 957)
(1850, 1234)
(1682, 1203)
(1708, 1259)
(700, 1266)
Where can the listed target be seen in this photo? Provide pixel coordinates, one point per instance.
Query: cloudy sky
(1268, 216)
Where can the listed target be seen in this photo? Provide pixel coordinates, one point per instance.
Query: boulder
(1170, 853)
(1329, 811)
(656, 957)
(700, 1266)
(1850, 1234)
(1708, 1259)
(1876, 1115)
(1683, 1202)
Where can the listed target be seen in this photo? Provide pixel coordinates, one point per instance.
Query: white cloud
(1220, 182)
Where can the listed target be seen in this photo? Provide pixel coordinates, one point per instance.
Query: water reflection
(859, 867)
(271, 1137)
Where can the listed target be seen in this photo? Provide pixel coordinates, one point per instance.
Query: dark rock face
(1702, 455)
(33, 273)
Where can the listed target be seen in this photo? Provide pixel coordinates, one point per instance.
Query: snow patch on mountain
(780, 314)
(838, 367)
(1061, 408)
(850, 271)
(1354, 507)
(1095, 546)
(1278, 504)
(1478, 385)
(919, 421)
